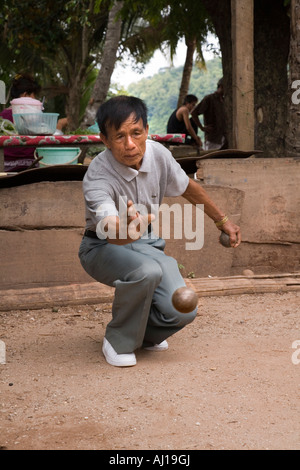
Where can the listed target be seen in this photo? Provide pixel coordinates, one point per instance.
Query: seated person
(19, 159)
(61, 124)
(181, 123)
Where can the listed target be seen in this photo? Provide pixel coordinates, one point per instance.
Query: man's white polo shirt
(108, 183)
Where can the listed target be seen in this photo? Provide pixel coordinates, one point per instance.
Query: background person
(213, 110)
(180, 122)
(20, 158)
(134, 170)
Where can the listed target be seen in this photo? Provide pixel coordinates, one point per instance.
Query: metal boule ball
(184, 299)
(225, 240)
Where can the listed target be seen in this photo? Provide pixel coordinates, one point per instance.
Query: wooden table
(70, 140)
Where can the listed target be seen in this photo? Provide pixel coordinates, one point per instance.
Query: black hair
(190, 99)
(220, 82)
(117, 110)
(23, 83)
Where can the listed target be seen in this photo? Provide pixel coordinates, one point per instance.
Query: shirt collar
(130, 173)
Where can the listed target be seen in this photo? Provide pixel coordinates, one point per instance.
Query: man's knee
(184, 319)
(149, 272)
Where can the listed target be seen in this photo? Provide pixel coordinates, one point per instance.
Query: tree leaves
(160, 92)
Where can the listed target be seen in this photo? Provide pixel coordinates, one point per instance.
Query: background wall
(41, 225)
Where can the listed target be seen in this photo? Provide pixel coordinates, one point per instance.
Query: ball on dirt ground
(184, 299)
(248, 272)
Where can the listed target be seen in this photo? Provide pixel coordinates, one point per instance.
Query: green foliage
(168, 22)
(61, 44)
(160, 92)
(6, 127)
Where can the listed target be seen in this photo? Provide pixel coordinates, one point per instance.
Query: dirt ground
(230, 380)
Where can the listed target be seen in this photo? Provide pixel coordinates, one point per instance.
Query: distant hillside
(161, 91)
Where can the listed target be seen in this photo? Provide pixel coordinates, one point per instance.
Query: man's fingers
(138, 225)
(234, 233)
(151, 218)
(131, 211)
(238, 238)
(235, 239)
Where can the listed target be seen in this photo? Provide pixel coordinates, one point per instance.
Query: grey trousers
(144, 278)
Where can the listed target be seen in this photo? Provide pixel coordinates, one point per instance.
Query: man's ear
(104, 139)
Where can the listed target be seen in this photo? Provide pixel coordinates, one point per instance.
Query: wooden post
(242, 28)
(1, 159)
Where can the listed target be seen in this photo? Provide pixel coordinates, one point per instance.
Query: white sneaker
(163, 346)
(115, 359)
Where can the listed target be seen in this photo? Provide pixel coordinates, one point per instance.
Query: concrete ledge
(42, 225)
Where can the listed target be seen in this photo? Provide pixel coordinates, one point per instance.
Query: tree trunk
(108, 61)
(242, 74)
(271, 48)
(293, 131)
(220, 13)
(77, 72)
(73, 104)
(187, 70)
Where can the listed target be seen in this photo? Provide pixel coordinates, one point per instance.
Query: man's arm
(201, 108)
(187, 122)
(195, 194)
(195, 116)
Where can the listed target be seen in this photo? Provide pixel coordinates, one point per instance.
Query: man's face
(190, 106)
(128, 143)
